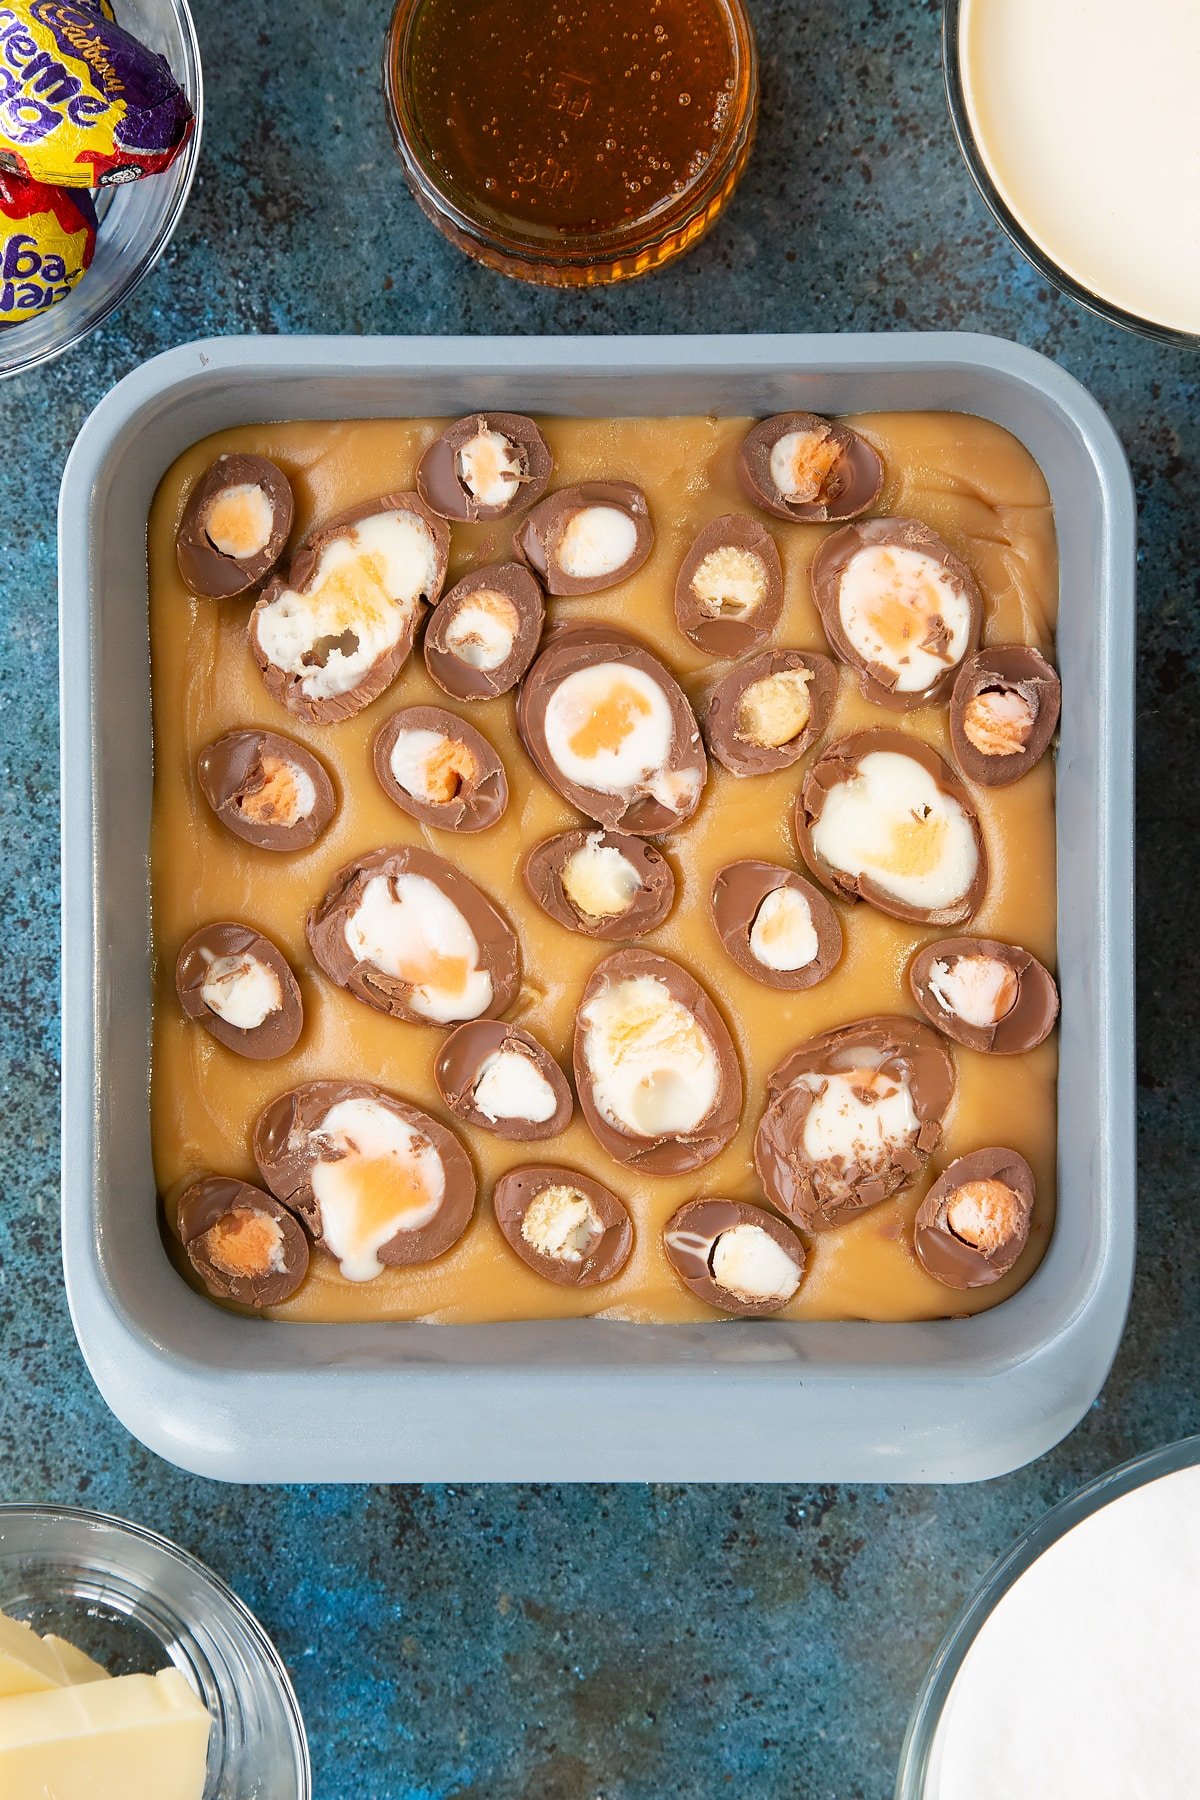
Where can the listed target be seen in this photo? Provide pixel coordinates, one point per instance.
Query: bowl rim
(929, 1708)
(1031, 250)
(249, 1621)
(191, 79)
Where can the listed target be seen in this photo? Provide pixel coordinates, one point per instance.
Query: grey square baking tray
(952, 1400)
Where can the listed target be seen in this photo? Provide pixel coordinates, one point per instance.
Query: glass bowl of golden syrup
(572, 142)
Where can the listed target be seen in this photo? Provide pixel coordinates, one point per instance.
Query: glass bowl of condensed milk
(1078, 120)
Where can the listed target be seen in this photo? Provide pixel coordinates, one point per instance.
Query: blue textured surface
(573, 1643)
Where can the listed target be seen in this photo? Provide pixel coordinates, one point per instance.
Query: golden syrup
(573, 134)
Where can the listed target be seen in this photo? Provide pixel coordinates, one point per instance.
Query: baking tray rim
(1035, 1391)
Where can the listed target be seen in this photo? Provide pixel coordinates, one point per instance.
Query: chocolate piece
(611, 730)
(766, 712)
(335, 631)
(1003, 713)
(898, 606)
(985, 994)
(502, 1080)
(800, 466)
(240, 987)
(605, 884)
(901, 834)
(656, 1070)
(567, 1227)
(243, 1245)
(377, 1181)
(485, 466)
(234, 527)
(47, 241)
(738, 1258)
(406, 932)
(585, 538)
(440, 770)
(267, 789)
(729, 592)
(776, 926)
(485, 632)
(83, 103)
(974, 1222)
(851, 1117)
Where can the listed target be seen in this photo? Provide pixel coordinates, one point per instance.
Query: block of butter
(29, 1663)
(134, 1737)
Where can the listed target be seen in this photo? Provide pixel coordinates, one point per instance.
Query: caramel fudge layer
(971, 483)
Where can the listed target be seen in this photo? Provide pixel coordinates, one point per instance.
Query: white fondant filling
(489, 467)
(597, 540)
(973, 988)
(893, 823)
(609, 727)
(239, 521)
(240, 989)
(511, 1086)
(782, 935)
(382, 1177)
(730, 582)
(600, 880)
(654, 1071)
(407, 927)
(859, 1118)
(409, 762)
(483, 630)
(368, 582)
(890, 599)
(560, 1223)
(747, 1261)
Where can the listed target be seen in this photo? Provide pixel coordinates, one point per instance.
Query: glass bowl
(1030, 249)
(137, 220)
(575, 256)
(137, 1603)
(921, 1738)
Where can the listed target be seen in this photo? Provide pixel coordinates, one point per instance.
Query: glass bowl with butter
(1077, 127)
(91, 1609)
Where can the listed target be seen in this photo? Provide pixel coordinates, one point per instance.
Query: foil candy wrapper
(47, 240)
(82, 102)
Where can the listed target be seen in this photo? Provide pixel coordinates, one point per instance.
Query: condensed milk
(1083, 114)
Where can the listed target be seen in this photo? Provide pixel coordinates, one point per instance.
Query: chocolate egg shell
(750, 708)
(876, 1060)
(490, 603)
(267, 789)
(221, 553)
(738, 893)
(250, 973)
(300, 1136)
(523, 465)
(954, 1260)
(1029, 997)
(549, 538)
(547, 876)
(493, 981)
(461, 1061)
(322, 670)
(839, 763)
(1014, 679)
(679, 1147)
(729, 591)
(517, 1193)
(924, 668)
(843, 474)
(634, 805)
(461, 769)
(241, 1242)
(690, 1239)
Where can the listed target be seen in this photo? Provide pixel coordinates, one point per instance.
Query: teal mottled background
(570, 1643)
